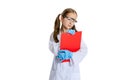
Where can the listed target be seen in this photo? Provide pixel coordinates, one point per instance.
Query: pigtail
(56, 29)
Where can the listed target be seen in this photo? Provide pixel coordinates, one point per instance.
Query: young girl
(65, 22)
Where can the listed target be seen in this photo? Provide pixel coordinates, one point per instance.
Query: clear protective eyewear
(71, 19)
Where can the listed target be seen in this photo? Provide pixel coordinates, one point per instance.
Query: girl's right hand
(64, 54)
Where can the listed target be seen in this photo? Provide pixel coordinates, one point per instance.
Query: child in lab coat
(65, 22)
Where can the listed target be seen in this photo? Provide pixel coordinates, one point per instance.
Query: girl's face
(68, 21)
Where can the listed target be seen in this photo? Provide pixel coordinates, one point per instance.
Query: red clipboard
(71, 42)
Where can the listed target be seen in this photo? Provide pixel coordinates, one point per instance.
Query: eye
(69, 18)
(74, 20)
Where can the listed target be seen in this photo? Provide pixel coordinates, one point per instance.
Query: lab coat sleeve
(80, 54)
(53, 47)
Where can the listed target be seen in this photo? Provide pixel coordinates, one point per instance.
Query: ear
(60, 18)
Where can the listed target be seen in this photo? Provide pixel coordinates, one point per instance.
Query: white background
(25, 27)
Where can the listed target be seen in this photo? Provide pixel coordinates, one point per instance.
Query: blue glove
(64, 54)
(71, 31)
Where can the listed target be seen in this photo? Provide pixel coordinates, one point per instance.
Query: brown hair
(57, 23)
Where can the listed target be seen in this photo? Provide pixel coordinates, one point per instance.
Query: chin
(69, 27)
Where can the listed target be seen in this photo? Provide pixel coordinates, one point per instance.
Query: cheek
(65, 22)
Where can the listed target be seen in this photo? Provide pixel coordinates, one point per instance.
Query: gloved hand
(64, 54)
(71, 31)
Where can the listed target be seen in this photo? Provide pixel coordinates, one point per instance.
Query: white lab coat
(66, 70)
